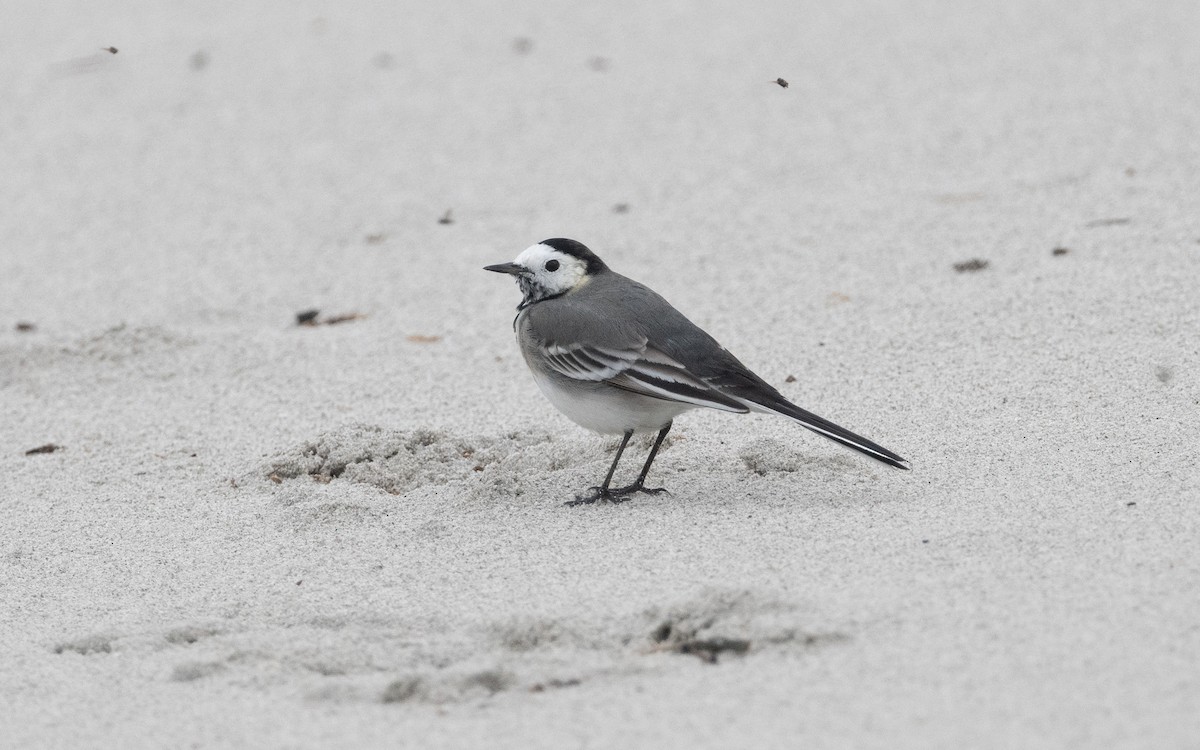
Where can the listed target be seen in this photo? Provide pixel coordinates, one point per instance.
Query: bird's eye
(552, 265)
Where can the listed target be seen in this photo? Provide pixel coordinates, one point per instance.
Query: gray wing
(591, 336)
(638, 368)
(669, 332)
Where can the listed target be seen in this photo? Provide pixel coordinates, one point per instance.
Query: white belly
(606, 409)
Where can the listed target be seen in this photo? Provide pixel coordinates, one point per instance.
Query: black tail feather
(835, 432)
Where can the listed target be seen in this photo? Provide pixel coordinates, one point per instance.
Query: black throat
(533, 294)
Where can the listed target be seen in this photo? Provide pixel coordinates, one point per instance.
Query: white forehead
(535, 256)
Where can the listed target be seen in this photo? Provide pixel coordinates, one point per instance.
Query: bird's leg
(637, 486)
(602, 492)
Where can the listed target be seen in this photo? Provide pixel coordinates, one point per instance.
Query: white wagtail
(616, 358)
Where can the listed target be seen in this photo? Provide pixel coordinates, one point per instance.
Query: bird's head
(551, 268)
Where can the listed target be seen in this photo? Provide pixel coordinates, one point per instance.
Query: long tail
(830, 430)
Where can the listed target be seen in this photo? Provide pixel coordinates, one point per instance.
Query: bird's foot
(619, 495)
(602, 494)
(625, 492)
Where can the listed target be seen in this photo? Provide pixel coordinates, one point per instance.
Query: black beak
(512, 268)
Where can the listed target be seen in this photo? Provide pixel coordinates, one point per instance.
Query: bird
(616, 358)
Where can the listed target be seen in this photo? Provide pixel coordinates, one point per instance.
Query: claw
(594, 494)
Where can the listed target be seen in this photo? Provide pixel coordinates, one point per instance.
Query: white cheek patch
(570, 273)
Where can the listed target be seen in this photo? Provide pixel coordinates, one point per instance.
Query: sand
(259, 534)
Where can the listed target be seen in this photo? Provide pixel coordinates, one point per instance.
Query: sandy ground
(352, 535)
